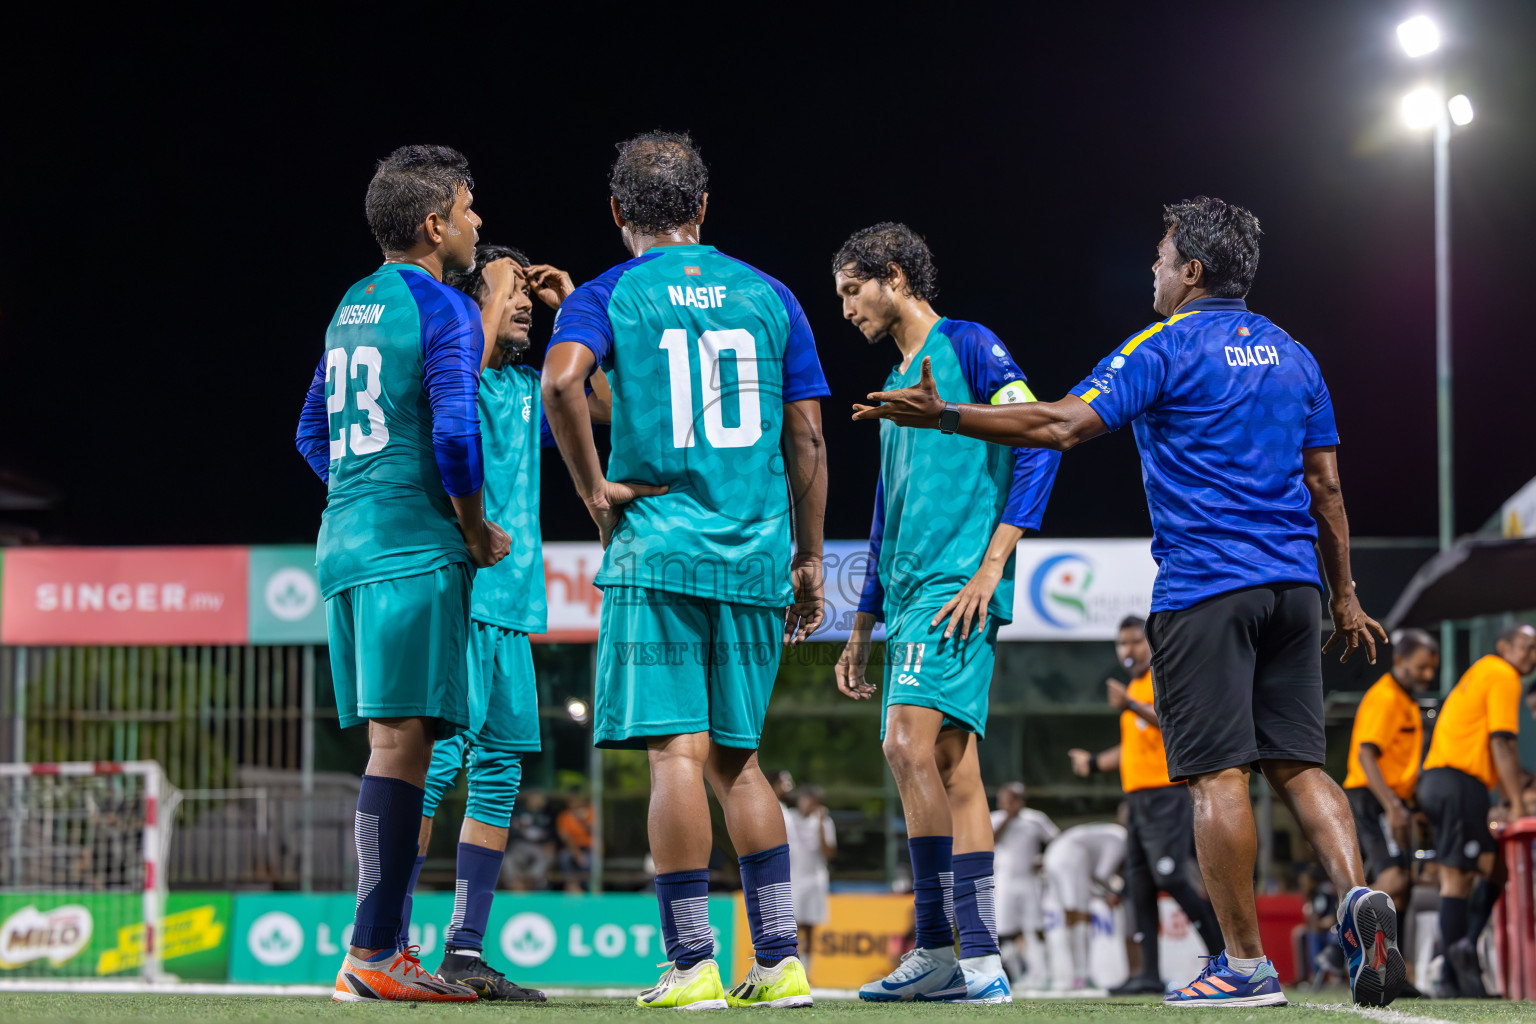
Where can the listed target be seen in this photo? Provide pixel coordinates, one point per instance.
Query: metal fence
(234, 730)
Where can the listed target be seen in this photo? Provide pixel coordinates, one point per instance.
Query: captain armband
(1012, 393)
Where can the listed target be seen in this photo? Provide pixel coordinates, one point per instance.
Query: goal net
(82, 868)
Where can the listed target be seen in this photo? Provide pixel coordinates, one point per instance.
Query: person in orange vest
(1475, 748)
(1161, 835)
(1385, 748)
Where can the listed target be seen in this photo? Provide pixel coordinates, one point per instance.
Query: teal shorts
(670, 663)
(953, 676)
(398, 648)
(495, 776)
(503, 696)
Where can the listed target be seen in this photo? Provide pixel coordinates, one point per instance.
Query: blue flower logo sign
(1058, 590)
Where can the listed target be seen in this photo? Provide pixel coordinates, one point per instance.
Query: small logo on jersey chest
(370, 288)
(527, 408)
(692, 271)
(1243, 331)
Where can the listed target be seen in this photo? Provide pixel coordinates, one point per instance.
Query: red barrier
(1278, 915)
(1514, 917)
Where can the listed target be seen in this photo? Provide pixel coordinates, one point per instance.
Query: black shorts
(1160, 832)
(1240, 679)
(1457, 805)
(1376, 842)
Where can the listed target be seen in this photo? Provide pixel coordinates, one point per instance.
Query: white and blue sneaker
(1368, 933)
(924, 975)
(985, 980)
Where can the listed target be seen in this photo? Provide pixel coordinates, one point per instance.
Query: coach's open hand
(1353, 628)
(908, 407)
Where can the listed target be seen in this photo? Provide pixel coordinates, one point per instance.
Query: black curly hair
(469, 281)
(870, 253)
(410, 183)
(1223, 237)
(659, 179)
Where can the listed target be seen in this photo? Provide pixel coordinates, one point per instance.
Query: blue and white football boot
(985, 980)
(924, 975)
(1368, 934)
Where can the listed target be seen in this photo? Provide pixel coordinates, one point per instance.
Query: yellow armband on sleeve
(1012, 393)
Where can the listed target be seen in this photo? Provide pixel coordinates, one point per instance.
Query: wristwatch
(949, 419)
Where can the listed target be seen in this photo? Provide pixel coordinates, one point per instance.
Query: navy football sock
(975, 904)
(770, 906)
(404, 939)
(387, 824)
(473, 891)
(684, 899)
(933, 881)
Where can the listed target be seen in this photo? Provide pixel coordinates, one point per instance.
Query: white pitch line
(1380, 1014)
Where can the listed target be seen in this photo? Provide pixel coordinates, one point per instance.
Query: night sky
(185, 210)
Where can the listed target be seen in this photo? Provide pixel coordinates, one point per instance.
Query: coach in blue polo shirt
(1237, 441)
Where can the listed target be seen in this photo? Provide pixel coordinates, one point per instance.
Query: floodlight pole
(1443, 367)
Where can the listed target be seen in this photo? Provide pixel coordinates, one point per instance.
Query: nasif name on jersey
(703, 353)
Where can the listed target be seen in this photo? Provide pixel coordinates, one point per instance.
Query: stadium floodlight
(1418, 36)
(577, 709)
(1421, 108)
(1460, 108)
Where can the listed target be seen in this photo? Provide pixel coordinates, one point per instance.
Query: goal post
(83, 846)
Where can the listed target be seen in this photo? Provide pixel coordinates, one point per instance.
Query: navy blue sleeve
(873, 598)
(451, 344)
(989, 368)
(314, 433)
(1034, 474)
(803, 377)
(995, 378)
(1128, 380)
(583, 317)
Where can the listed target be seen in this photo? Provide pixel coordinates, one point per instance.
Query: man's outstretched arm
(1057, 425)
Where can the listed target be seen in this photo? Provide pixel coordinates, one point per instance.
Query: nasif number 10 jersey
(702, 352)
(390, 424)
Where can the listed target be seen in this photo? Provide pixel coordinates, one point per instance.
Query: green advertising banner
(283, 596)
(537, 938)
(98, 934)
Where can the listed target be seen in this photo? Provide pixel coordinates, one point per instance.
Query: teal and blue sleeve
(1127, 381)
(314, 434)
(873, 598)
(583, 318)
(452, 341)
(1034, 474)
(803, 376)
(989, 368)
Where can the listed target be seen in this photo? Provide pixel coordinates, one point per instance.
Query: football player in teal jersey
(390, 424)
(715, 397)
(507, 604)
(949, 512)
